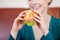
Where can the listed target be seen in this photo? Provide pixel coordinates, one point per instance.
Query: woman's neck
(47, 18)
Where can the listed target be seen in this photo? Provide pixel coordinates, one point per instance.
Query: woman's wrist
(14, 33)
(45, 32)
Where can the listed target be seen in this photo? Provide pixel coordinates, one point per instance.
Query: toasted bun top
(28, 16)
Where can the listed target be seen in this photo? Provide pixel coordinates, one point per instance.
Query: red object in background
(7, 16)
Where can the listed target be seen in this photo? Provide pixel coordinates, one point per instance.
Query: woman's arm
(57, 33)
(13, 35)
(17, 25)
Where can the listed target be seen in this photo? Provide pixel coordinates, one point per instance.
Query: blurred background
(9, 10)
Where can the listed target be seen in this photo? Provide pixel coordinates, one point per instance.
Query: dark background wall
(7, 16)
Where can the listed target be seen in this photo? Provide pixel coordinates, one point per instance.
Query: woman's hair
(50, 2)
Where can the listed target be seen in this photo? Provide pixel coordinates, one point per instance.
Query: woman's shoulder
(55, 27)
(55, 20)
(55, 23)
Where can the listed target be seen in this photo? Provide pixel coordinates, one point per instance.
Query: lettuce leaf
(30, 23)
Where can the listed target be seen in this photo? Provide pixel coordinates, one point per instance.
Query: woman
(47, 27)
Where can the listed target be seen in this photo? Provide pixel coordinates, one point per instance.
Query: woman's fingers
(39, 13)
(20, 16)
(39, 22)
(19, 19)
(36, 16)
(35, 19)
(22, 13)
(38, 19)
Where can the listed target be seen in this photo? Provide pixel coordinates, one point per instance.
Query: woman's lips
(36, 6)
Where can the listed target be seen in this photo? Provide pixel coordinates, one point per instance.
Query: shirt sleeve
(18, 35)
(59, 31)
(50, 37)
(11, 38)
(47, 37)
(13, 35)
(17, 38)
(55, 35)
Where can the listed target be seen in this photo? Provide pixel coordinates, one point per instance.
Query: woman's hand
(17, 24)
(39, 19)
(18, 21)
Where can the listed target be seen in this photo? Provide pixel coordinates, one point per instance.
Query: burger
(28, 18)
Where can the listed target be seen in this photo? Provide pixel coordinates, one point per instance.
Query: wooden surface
(7, 16)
